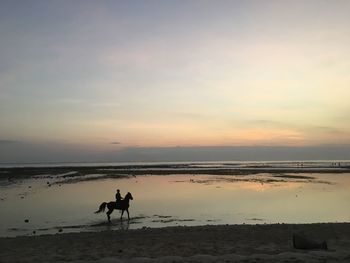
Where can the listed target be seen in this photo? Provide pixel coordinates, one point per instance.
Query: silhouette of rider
(118, 198)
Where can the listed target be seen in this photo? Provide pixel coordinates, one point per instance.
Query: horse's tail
(101, 208)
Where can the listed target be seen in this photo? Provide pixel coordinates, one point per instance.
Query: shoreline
(208, 243)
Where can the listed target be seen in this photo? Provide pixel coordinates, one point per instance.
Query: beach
(199, 213)
(220, 243)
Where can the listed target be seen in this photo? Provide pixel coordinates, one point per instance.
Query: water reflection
(175, 200)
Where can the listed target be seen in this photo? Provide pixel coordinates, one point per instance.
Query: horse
(123, 205)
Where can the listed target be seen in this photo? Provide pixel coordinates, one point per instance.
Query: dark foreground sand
(223, 243)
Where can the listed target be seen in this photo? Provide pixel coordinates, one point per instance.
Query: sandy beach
(221, 243)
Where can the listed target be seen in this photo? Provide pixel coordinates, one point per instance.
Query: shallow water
(172, 200)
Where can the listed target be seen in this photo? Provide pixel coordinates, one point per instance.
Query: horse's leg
(127, 210)
(108, 214)
(121, 217)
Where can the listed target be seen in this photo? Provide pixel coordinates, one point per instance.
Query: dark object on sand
(60, 230)
(301, 242)
(26, 220)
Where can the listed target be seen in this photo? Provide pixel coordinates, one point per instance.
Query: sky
(85, 80)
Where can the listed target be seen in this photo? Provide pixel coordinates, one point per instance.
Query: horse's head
(128, 196)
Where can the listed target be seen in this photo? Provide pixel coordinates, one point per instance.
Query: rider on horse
(118, 198)
(120, 204)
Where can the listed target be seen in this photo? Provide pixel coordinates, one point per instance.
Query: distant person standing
(118, 198)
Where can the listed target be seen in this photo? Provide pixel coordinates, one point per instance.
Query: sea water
(36, 206)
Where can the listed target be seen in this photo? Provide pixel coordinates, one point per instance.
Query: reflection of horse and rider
(119, 204)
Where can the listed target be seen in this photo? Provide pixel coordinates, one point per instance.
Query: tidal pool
(170, 200)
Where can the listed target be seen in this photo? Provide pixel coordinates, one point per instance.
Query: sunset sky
(102, 76)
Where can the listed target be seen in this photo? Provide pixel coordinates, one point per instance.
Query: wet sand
(73, 174)
(221, 243)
